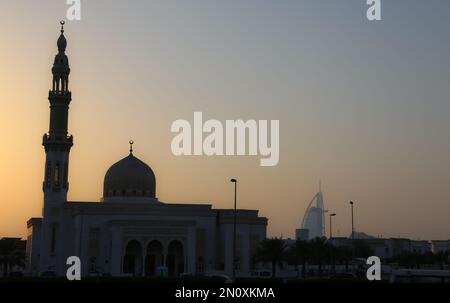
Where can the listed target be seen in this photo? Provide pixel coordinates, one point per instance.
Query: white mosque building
(128, 232)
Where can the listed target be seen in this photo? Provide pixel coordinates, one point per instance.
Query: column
(116, 252)
(228, 248)
(245, 249)
(189, 250)
(144, 254)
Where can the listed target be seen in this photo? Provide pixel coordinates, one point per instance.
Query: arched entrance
(132, 261)
(154, 258)
(175, 258)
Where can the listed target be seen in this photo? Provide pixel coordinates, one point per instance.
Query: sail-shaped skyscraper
(313, 223)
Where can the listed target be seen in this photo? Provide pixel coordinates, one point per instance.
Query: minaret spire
(61, 69)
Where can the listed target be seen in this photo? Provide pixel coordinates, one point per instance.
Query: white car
(219, 275)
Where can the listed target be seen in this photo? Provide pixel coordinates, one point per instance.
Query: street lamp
(353, 227)
(331, 224)
(331, 236)
(234, 228)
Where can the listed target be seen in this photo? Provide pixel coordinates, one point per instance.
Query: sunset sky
(363, 106)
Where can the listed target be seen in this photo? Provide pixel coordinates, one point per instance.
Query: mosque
(129, 232)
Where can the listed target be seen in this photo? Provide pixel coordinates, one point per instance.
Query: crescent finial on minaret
(62, 22)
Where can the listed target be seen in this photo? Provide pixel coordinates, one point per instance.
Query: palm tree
(319, 251)
(272, 250)
(344, 255)
(11, 254)
(332, 256)
(299, 254)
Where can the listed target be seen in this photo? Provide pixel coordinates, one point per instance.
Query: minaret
(57, 142)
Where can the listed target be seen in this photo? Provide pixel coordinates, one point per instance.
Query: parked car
(262, 274)
(219, 276)
(211, 276)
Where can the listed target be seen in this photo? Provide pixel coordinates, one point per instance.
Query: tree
(441, 258)
(344, 255)
(299, 254)
(414, 259)
(11, 254)
(362, 249)
(319, 252)
(272, 250)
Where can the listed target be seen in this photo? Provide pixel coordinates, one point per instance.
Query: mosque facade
(129, 232)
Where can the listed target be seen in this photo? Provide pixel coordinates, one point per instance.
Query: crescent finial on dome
(131, 147)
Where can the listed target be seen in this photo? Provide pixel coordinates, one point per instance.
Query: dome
(130, 177)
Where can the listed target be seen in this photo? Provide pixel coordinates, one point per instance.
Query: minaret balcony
(64, 93)
(57, 139)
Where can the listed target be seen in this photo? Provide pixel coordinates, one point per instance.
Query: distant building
(397, 246)
(361, 235)
(314, 217)
(129, 232)
(420, 246)
(440, 246)
(302, 234)
(387, 248)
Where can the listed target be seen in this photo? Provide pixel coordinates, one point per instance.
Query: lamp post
(333, 268)
(353, 227)
(234, 228)
(331, 224)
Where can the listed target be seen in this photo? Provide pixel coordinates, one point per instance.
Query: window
(56, 175)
